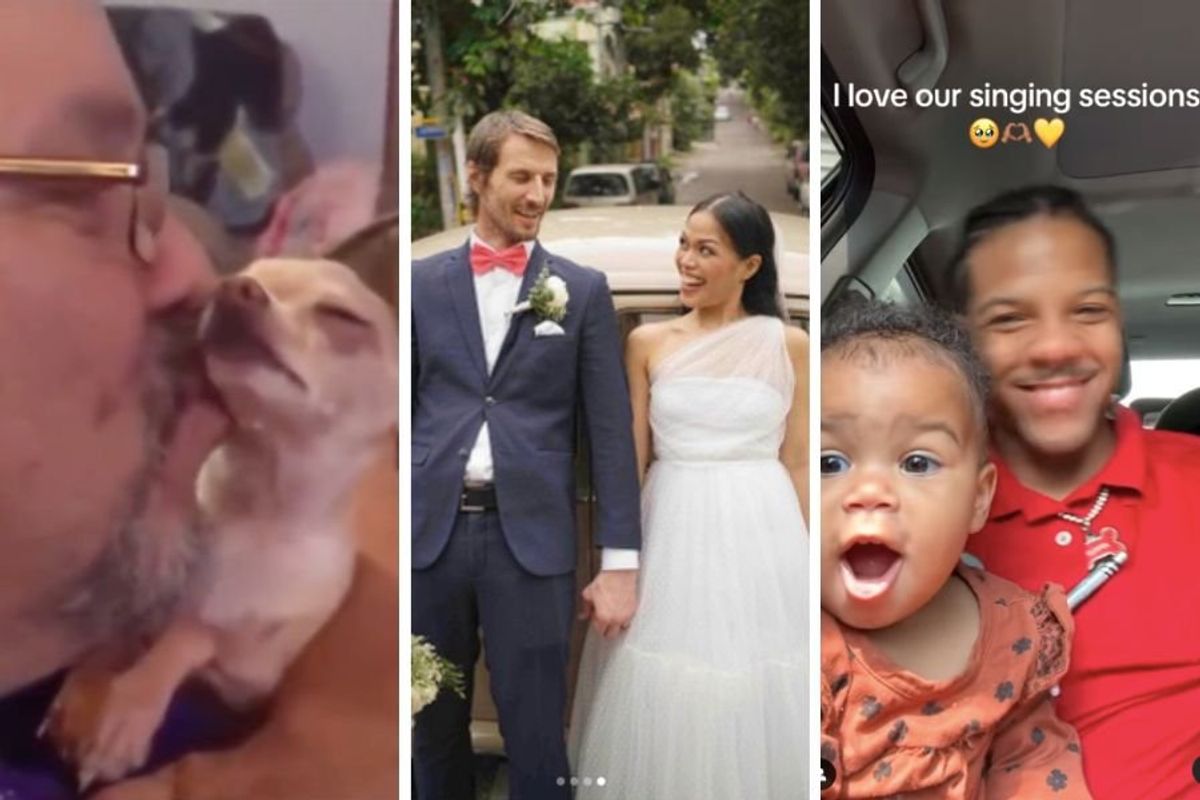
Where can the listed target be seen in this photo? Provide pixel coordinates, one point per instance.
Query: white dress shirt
(495, 297)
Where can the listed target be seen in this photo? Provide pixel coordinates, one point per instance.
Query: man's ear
(475, 178)
(985, 489)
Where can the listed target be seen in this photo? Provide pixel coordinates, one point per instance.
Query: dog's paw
(71, 722)
(131, 714)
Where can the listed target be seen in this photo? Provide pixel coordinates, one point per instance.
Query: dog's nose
(242, 291)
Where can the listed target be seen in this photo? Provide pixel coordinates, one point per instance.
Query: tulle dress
(704, 696)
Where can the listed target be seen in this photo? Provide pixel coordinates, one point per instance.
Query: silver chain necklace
(1102, 569)
(1086, 521)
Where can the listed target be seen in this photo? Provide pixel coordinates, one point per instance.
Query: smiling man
(498, 387)
(1080, 480)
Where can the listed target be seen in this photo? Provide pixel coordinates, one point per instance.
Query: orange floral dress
(989, 733)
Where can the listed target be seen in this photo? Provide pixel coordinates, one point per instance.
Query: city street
(742, 157)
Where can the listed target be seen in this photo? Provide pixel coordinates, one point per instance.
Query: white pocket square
(548, 327)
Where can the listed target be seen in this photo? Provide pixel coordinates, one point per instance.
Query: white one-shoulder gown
(704, 697)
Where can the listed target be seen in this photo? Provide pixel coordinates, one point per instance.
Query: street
(742, 157)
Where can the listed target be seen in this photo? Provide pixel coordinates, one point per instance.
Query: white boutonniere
(549, 297)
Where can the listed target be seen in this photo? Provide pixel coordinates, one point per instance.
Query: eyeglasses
(148, 179)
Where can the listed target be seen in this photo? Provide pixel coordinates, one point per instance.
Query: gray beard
(150, 561)
(141, 576)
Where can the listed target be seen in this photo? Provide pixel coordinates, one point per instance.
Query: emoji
(983, 133)
(1049, 132)
(1016, 132)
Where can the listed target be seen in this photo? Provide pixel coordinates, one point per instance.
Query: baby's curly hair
(855, 328)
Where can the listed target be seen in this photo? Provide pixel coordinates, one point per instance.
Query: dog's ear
(373, 254)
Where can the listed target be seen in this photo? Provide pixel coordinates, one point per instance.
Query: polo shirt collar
(1125, 469)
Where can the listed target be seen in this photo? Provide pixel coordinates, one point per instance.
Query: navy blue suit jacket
(531, 401)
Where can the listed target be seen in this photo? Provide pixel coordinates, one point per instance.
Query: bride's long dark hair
(748, 226)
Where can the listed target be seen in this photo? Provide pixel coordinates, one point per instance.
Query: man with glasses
(105, 417)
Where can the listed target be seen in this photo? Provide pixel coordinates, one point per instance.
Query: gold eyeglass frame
(115, 171)
(141, 237)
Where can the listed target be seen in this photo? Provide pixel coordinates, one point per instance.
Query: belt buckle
(470, 509)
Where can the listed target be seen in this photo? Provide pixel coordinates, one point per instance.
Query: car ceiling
(1140, 169)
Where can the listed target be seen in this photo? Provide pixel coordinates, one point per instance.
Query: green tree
(426, 216)
(691, 110)
(764, 44)
(495, 60)
(662, 45)
(554, 82)
(621, 121)
(484, 43)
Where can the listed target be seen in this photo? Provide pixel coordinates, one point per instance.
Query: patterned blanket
(31, 770)
(217, 90)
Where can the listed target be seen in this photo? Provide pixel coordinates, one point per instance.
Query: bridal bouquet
(430, 674)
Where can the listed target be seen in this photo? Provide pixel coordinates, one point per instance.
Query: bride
(704, 696)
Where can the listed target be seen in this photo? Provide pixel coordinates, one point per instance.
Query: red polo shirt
(1133, 690)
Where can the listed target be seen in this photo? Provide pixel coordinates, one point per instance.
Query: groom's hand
(610, 601)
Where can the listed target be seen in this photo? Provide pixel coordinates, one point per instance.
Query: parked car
(635, 248)
(614, 185)
(722, 113)
(796, 170)
(666, 183)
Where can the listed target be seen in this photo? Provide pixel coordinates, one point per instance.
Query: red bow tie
(485, 259)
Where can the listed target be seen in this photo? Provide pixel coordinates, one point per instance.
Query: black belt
(475, 499)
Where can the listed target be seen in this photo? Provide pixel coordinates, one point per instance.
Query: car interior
(897, 181)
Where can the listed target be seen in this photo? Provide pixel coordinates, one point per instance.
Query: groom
(499, 380)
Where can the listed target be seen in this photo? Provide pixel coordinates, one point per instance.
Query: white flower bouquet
(430, 674)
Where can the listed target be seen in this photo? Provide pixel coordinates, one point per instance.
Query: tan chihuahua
(305, 358)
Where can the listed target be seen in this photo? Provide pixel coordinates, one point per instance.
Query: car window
(903, 289)
(607, 184)
(831, 155)
(644, 179)
(847, 168)
(1162, 377)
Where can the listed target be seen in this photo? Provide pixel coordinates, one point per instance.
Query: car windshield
(598, 185)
